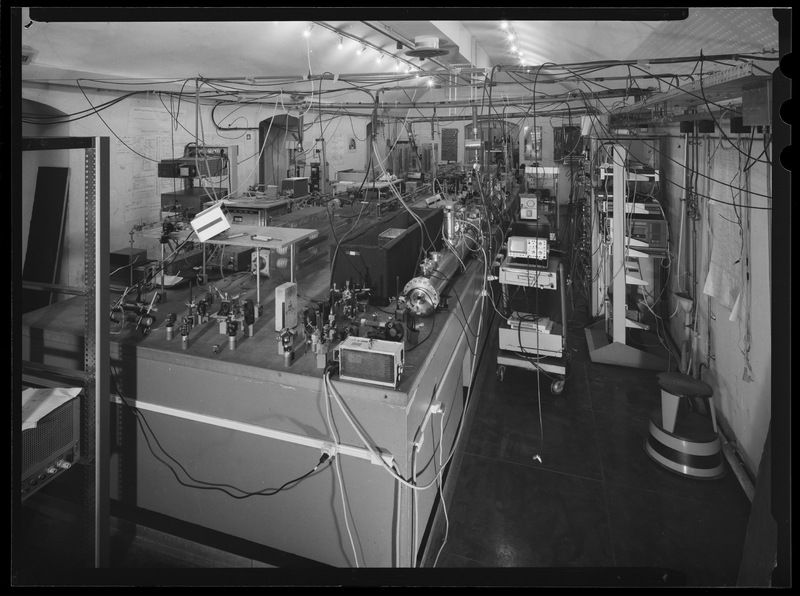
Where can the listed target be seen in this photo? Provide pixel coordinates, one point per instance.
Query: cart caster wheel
(501, 372)
(557, 386)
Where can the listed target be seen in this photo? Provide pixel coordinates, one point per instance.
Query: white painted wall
(739, 370)
(141, 132)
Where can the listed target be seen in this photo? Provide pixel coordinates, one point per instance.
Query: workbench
(244, 418)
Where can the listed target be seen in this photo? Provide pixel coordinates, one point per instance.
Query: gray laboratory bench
(210, 420)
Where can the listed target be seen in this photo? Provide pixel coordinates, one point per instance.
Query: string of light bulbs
(513, 41)
(364, 44)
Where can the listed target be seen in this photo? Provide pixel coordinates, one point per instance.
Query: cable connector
(328, 451)
(437, 407)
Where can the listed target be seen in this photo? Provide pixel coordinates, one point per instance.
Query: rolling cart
(533, 341)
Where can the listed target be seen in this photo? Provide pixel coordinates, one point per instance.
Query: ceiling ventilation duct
(426, 46)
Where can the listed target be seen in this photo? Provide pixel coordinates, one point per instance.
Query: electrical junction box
(527, 206)
(368, 360)
(286, 306)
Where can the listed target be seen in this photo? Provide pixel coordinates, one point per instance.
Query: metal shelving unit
(615, 349)
(94, 440)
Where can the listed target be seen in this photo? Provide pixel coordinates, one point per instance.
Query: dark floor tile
(576, 344)
(59, 540)
(625, 463)
(447, 560)
(39, 537)
(622, 391)
(700, 538)
(508, 515)
(513, 430)
(523, 384)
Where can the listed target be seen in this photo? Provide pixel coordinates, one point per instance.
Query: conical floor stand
(691, 449)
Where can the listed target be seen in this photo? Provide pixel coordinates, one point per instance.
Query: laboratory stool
(680, 440)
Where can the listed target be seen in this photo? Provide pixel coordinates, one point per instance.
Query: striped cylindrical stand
(682, 441)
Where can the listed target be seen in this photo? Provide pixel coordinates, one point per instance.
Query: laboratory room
(393, 302)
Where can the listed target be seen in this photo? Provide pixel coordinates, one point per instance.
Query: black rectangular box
(189, 201)
(368, 261)
(127, 256)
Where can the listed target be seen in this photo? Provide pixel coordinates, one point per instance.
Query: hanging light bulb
(504, 24)
(341, 45)
(361, 49)
(379, 58)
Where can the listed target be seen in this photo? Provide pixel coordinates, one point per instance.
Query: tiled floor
(595, 501)
(595, 510)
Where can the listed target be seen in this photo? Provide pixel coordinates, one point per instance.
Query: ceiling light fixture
(362, 43)
(512, 38)
(426, 46)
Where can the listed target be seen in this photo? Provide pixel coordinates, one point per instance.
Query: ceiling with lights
(599, 56)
